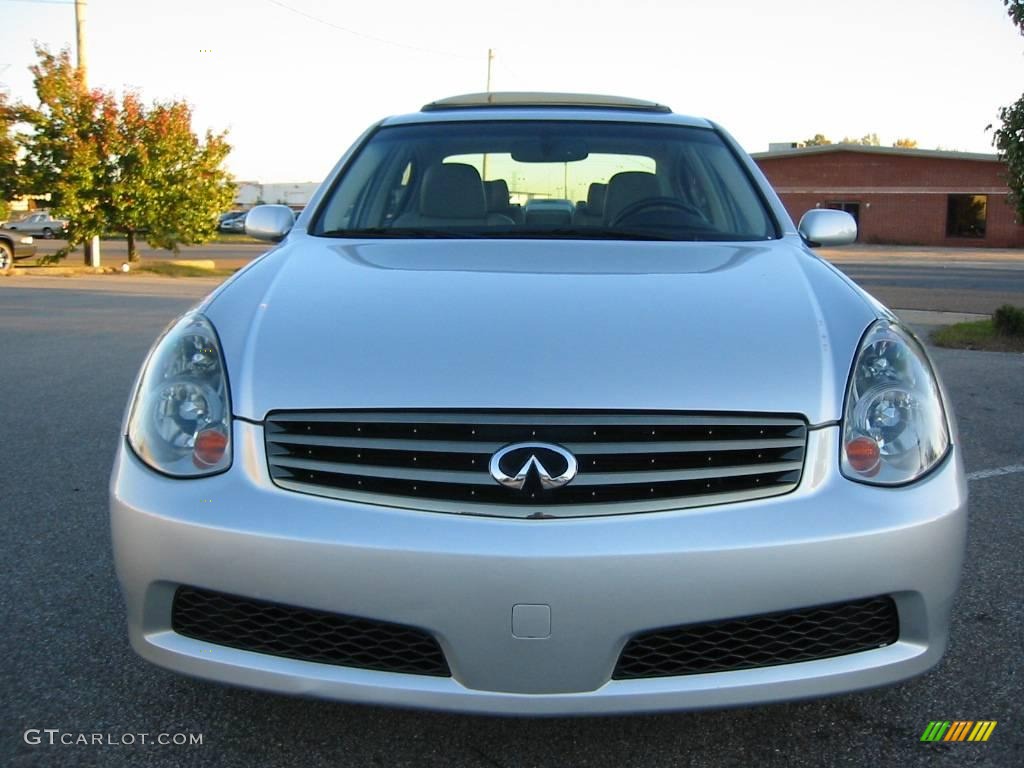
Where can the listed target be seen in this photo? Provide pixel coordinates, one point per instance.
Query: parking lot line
(981, 474)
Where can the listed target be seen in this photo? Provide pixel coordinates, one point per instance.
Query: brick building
(900, 196)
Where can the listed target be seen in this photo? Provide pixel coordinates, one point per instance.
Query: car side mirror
(824, 226)
(269, 222)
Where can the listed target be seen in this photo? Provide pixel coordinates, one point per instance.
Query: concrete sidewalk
(135, 285)
(895, 254)
(921, 317)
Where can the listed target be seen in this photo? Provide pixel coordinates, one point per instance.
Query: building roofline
(896, 151)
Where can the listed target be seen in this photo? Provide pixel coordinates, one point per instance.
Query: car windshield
(545, 179)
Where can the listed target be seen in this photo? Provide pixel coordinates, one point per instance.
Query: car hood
(539, 324)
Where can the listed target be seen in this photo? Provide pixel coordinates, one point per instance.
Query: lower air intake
(761, 641)
(305, 634)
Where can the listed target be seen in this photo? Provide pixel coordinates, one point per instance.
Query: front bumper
(605, 580)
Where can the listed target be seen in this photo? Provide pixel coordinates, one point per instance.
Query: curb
(933, 317)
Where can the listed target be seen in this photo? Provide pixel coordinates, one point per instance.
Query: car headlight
(894, 424)
(180, 421)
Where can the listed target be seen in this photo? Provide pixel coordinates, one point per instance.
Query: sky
(295, 82)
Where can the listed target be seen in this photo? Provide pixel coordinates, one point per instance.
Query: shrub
(1009, 320)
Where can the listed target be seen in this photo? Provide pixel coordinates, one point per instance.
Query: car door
(30, 226)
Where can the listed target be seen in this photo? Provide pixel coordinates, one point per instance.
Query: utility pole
(490, 60)
(80, 37)
(92, 246)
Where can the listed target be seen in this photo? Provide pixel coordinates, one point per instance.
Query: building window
(851, 208)
(966, 215)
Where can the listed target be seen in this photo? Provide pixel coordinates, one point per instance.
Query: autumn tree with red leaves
(122, 166)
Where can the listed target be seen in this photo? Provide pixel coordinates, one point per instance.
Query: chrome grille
(628, 462)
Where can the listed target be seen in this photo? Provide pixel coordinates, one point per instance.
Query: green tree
(1008, 138)
(818, 140)
(9, 171)
(1016, 10)
(126, 145)
(192, 186)
(166, 184)
(62, 155)
(122, 166)
(867, 140)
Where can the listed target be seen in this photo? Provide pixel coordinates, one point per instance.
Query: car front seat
(627, 188)
(451, 194)
(498, 200)
(593, 215)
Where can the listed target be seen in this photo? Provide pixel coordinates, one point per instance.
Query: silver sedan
(647, 454)
(41, 225)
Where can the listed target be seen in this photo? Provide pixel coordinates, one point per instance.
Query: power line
(365, 36)
(311, 17)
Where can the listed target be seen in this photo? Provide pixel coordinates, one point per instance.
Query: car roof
(541, 99)
(474, 107)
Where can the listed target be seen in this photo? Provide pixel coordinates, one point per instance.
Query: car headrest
(626, 188)
(452, 191)
(595, 198)
(497, 195)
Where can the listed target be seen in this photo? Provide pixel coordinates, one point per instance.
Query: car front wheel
(6, 257)
(48, 233)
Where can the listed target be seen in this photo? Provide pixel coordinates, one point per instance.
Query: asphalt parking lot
(67, 358)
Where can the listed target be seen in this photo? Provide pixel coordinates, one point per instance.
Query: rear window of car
(545, 179)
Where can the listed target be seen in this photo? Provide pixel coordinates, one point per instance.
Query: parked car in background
(40, 224)
(226, 219)
(14, 245)
(662, 457)
(232, 222)
(236, 224)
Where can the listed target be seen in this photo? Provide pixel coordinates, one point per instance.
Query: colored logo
(958, 730)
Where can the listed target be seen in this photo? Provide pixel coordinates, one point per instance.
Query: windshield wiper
(689, 235)
(400, 232)
(515, 234)
(585, 235)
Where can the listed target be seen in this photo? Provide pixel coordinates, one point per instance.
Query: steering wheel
(652, 203)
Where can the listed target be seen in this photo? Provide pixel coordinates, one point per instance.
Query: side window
(347, 206)
(742, 208)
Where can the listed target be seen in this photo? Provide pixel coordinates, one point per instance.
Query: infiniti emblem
(513, 465)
